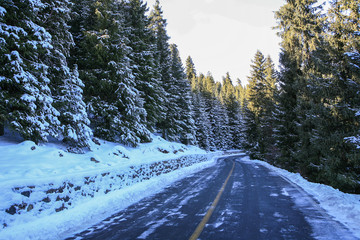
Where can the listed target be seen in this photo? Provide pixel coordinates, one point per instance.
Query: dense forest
(74, 70)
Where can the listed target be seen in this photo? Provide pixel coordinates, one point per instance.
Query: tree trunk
(2, 129)
(164, 134)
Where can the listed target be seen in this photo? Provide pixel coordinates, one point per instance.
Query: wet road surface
(255, 204)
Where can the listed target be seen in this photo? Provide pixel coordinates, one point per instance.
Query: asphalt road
(255, 204)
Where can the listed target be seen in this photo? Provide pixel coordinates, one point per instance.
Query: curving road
(255, 204)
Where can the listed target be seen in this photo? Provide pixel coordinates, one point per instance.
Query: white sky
(222, 35)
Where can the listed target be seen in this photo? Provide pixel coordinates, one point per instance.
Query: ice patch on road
(186, 200)
(278, 215)
(284, 192)
(152, 229)
(217, 224)
(237, 185)
(199, 183)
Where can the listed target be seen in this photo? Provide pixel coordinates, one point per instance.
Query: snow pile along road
(47, 192)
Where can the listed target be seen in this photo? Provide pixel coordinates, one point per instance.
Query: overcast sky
(222, 35)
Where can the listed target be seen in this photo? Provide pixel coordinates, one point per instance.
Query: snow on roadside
(59, 225)
(344, 207)
(25, 162)
(47, 191)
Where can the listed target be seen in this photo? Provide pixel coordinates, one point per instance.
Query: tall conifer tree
(190, 69)
(268, 122)
(169, 125)
(255, 107)
(338, 120)
(143, 60)
(24, 73)
(67, 88)
(232, 107)
(216, 115)
(300, 28)
(201, 115)
(116, 109)
(183, 99)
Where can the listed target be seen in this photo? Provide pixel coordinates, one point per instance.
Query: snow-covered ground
(345, 208)
(47, 192)
(25, 162)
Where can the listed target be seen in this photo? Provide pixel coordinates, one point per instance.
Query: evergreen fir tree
(215, 113)
(271, 79)
(24, 75)
(202, 121)
(144, 66)
(260, 107)
(184, 103)
(2, 114)
(300, 27)
(268, 121)
(257, 85)
(75, 123)
(286, 132)
(232, 107)
(169, 126)
(3, 110)
(65, 84)
(256, 107)
(116, 109)
(235, 122)
(338, 120)
(250, 131)
(240, 92)
(190, 69)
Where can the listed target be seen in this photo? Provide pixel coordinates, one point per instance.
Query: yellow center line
(206, 218)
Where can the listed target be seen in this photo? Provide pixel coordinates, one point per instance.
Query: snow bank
(65, 223)
(42, 186)
(344, 207)
(23, 163)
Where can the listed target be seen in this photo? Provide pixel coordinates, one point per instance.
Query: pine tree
(227, 88)
(232, 107)
(260, 107)
(75, 123)
(2, 114)
(215, 112)
(250, 131)
(344, 19)
(184, 101)
(257, 84)
(256, 107)
(3, 110)
(201, 116)
(143, 63)
(66, 86)
(235, 122)
(338, 120)
(24, 75)
(268, 122)
(300, 28)
(116, 109)
(169, 125)
(190, 69)
(286, 132)
(240, 92)
(270, 79)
